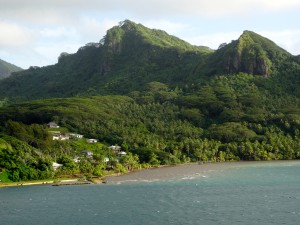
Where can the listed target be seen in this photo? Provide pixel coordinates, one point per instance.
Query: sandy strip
(29, 183)
(169, 173)
(187, 171)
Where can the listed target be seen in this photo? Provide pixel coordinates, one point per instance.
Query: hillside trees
(236, 117)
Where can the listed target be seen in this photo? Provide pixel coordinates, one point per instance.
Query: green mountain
(132, 55)
(251, 53)
(128, 57)
(7, 68)
(233, 117)
(176, 103)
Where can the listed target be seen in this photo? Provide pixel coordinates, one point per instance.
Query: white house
(55, 137)
(56, 165)
(115, 148)
(64, 137)
(60, 137)
(91, 141)
(79, 136)
(52, 125)
(76, 160)
(87, 153)
(106, 159)
(122, 153)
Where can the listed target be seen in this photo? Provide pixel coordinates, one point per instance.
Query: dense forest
(230, 118)
(178, 103)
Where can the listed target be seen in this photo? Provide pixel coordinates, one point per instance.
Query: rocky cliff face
(251, 53)
(255, 64)
(249, 57)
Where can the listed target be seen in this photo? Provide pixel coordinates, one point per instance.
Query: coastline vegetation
(162, 100)
(229, 119)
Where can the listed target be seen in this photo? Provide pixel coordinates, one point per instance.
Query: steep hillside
(236, 117)
(7, 68)
(176, 103)
(230, 118)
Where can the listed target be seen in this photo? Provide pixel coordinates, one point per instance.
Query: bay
(221, 193)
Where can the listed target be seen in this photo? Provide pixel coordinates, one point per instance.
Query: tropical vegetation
(161, 99)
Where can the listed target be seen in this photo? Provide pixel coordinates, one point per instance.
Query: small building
(64, 137)
(76, 160)
(87, 153)
(52, 125)
(56, 165)
(54, 132)
(115, 148)
(55, 137)
(105, 159)
(122, 153)
(92, 141)
(60, 137)
(78, 136)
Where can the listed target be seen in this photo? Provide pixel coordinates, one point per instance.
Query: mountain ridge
(176, 103)
(132, 55)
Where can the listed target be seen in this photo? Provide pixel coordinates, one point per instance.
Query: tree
(130, 161)
(222, 45)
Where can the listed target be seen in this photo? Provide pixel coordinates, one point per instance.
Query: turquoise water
(255, 193)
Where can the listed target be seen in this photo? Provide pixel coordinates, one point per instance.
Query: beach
(169, 173)
(29, 183)
(162, 173)
(186, 171)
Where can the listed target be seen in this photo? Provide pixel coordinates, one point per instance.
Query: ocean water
(233, 193)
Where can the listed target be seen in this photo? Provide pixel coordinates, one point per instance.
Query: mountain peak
(251, 53)
(249, 32)
(127, 24)
(138, 34)
(271, 48)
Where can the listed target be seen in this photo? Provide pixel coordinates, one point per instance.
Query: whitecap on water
(187, 178)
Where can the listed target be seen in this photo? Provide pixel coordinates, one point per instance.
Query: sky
(35, 32)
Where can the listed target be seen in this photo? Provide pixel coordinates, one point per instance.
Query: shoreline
(121, 178)
(148, 174)
(30, 183)
(186, 171)
(102, 180)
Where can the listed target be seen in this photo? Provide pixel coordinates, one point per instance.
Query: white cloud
(92, 29)
(172, 28)
(142, 8)
(193, 7)
(14, 36)
(57, 32)
(213, 40)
